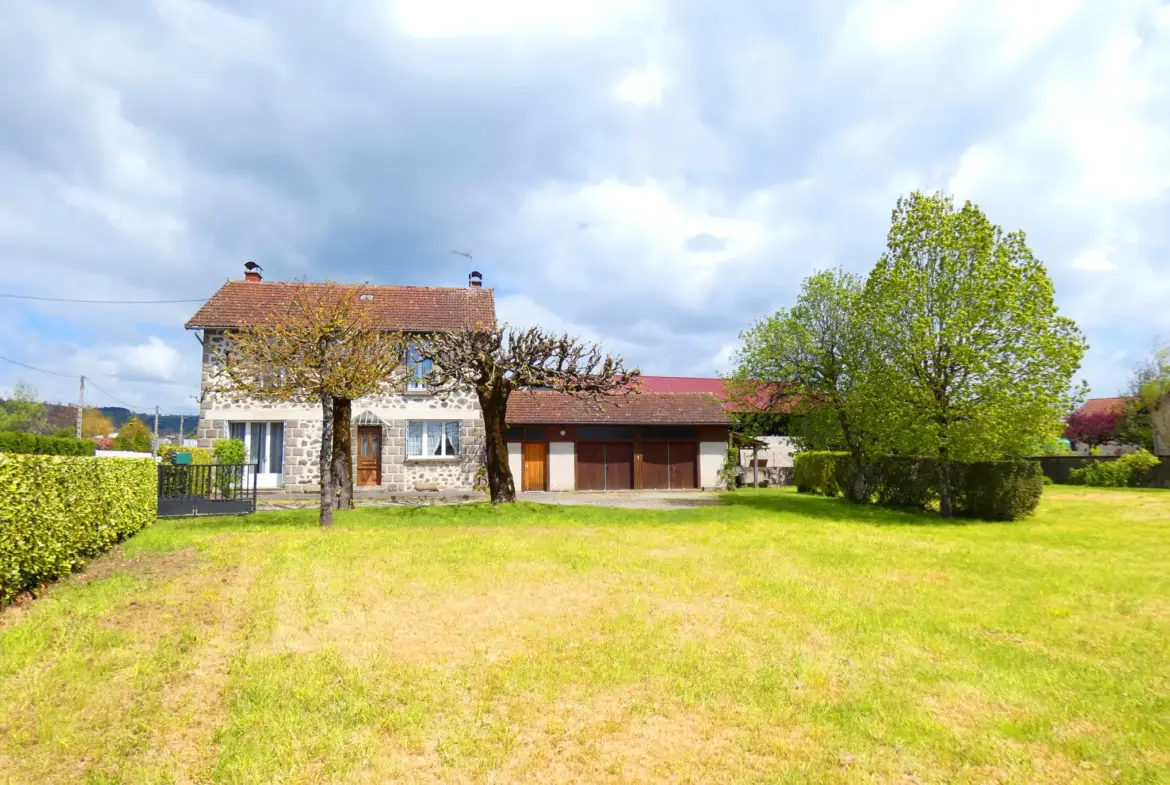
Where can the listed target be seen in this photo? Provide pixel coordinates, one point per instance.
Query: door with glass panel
(263, 447)
(369, 461)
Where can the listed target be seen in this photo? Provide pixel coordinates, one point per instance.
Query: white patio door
(264, 447)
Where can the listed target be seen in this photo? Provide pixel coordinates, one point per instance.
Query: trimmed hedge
(821, 471)
(57, 512)
(998, 490)
(229, 451)
(31, 444)
(990, 490)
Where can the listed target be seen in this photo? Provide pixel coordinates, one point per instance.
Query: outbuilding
(641, 441)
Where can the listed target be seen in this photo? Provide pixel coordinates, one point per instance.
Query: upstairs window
(417, 369)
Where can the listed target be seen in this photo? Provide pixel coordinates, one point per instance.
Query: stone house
(404, 438)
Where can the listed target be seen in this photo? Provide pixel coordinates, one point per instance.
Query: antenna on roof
(467, 256)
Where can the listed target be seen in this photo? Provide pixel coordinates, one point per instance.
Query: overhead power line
(41, 370)
(116, 400)
(99, 302)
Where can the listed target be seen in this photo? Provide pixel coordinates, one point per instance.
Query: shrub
(1047, 480)
(229, 451)
(199, 455)
(998, 490)
(1126, 471)
(56, 512)
(31, 444)
(903, 482)
(821, 471)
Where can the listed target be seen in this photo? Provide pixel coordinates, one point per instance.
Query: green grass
(779, 638)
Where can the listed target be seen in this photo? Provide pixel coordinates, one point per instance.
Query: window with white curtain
(432, 439)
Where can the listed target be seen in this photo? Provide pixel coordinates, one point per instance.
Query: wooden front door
(369, 458)
(535, 459)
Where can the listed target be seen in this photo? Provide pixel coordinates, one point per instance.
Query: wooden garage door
(655, 466)
(590, 466)
(535, 459)
(619, 467)
(683, 464)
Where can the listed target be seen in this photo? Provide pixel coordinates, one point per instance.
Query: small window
(525, 433)
(367, 297)
(432, 438)
(676, 432)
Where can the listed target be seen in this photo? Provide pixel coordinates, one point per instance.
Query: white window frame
(414, 382)
(427, 448)
(270, 478)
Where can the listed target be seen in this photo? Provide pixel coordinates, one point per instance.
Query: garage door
(668, 465)
(683, 464)
(655, 465)
(602, 466)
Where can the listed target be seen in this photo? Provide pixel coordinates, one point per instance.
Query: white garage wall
(711, 457)
(516, 464)
(562, 474)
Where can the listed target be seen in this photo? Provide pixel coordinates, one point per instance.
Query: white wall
(778, 452)
(711, 457)
(123, 454)
(562, 468)
(516, 463)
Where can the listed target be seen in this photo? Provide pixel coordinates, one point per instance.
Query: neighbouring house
(408, 439)
(1107, 410)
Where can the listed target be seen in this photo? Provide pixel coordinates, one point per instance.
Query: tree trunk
(494, 402)
(343, 452)
(326, 459)
(859, 493)
(946, 503)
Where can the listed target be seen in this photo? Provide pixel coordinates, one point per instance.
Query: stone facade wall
(302, 434)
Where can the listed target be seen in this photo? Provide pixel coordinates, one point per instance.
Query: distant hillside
(64, 416)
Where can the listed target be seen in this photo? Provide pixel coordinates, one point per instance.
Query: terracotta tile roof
(1103, 406)
(647, 408)
(248, 303)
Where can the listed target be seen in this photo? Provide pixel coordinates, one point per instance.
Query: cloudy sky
(653, 174)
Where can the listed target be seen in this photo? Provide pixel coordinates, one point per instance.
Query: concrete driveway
(634, 500)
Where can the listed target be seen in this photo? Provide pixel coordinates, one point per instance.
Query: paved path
(635, 500)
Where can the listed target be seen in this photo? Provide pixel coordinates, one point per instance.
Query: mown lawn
(779, 638)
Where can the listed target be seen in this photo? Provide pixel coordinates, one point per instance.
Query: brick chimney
(475, 280)
(252, 272)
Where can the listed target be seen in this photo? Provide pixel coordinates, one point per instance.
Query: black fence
(1057, 467)
(222, 489)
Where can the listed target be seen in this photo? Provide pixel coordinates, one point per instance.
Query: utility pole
(80, 408)
(182, 433)
(156, 429)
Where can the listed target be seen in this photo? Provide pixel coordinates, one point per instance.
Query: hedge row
(991, 490)
(31, 444)
(199, 456)
(57, 512)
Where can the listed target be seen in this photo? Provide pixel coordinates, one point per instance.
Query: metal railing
(219, 489)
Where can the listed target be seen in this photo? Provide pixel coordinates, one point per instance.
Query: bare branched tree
(495, 361)
(322, 346)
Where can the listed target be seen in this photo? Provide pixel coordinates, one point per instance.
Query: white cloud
(512, 18)
(1093, 260)
(642, 87)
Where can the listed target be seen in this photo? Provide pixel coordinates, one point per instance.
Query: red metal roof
(413, 308)
(544, 407)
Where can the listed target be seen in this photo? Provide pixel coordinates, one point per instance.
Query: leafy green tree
(812, 360)
(134, 436)
(967, 342)
(24, 411)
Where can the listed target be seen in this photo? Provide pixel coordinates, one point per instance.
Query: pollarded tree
(1150, 388)
(497, 361)
(323, 346)
(810, 360)
(968, 337)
